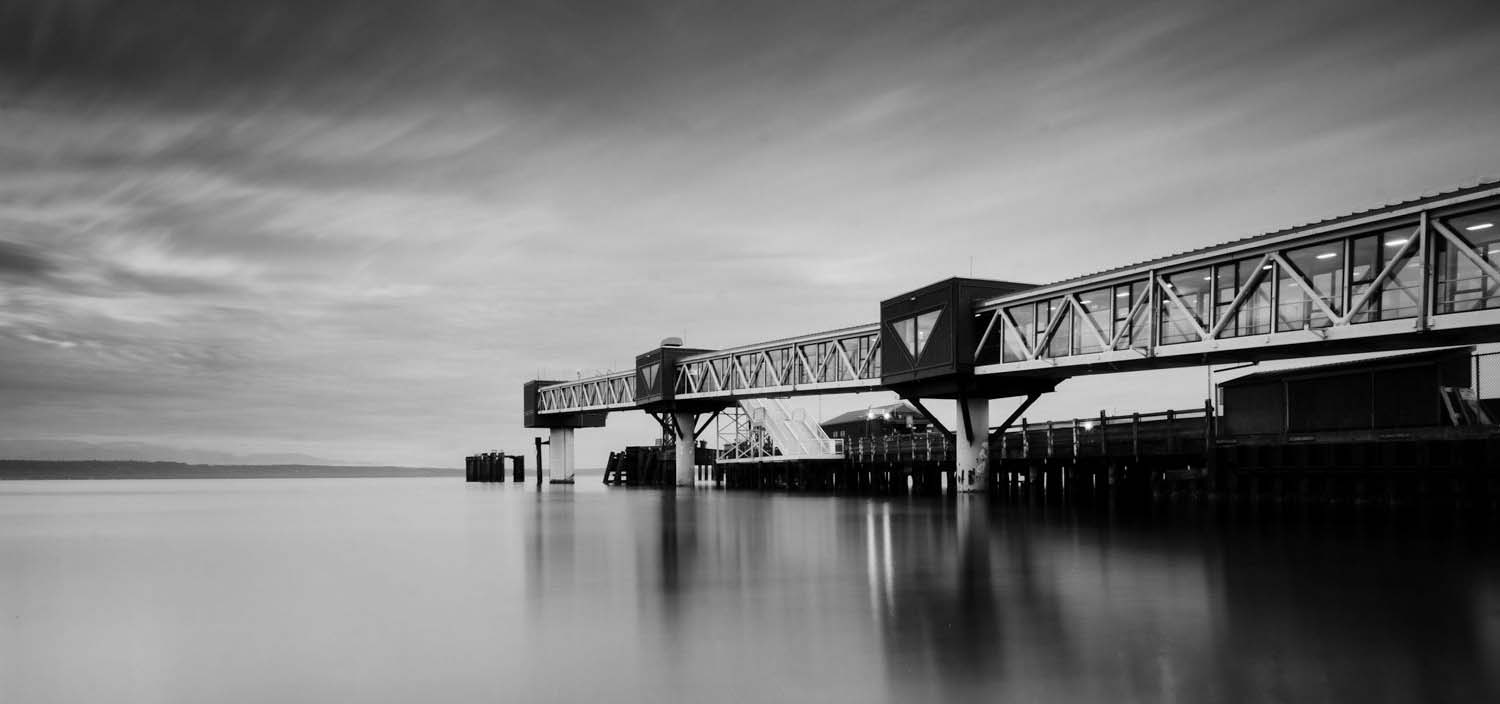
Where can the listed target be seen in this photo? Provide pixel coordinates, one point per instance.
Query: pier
(1413, 275)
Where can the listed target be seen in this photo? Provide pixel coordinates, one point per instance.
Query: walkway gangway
(1424, 273)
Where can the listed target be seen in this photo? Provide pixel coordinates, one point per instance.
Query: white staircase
(794, 435)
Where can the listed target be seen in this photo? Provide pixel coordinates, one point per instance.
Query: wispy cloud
(303, 226)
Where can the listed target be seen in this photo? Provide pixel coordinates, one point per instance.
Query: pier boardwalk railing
(1174, 432)
(1166, 433)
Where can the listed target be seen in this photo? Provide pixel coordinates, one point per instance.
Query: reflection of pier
(902, 600)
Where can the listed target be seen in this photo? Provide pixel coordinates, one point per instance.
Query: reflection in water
(385, 590)
(974, 598)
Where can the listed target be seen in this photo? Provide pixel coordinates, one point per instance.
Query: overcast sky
(353, 229)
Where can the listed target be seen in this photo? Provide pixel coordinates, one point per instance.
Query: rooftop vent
(671, 342)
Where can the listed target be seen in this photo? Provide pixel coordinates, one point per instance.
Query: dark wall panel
(1340, 402)
(1254, 409)
(1407, 398)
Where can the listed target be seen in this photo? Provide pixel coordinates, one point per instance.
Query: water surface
(399, 590)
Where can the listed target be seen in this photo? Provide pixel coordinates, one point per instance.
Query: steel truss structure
(839, 360)
(610, 392)
(1432, 267)
(1385, 279)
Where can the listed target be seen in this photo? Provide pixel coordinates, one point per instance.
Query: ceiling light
(1480, 226)
(1395, 243)
(1266, 268)
(1327, 255)
(1123, 294)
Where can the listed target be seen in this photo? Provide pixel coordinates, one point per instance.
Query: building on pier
(889, 419)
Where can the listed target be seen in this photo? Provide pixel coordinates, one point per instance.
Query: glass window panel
(1043, 321)
(906, 331)
(1226, 287)
(1461, 284)
(925, 323)
(1253, 317)
(1396, 296)
(1061, 344)
(1322, 267)
(1097, 304)
(1124, 304)
(852, 349)
(1140, 325)
(1024, 317)
(989, 352)
(1195, 289)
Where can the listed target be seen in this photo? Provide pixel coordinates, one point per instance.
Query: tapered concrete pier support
(686, 456)
(561, 447)
(973, 456)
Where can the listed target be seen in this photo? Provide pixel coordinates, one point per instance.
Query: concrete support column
(561, 447)
(686, 455)
(973, 466)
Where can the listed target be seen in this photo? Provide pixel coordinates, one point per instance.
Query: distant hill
(54, 449)
(130, 469)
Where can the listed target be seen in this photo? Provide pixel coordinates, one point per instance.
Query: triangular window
(925, 323)
(907, 331)
(648, 374)
(915, 332)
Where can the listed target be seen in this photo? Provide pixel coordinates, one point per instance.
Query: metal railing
(612, 391)
(847, 359)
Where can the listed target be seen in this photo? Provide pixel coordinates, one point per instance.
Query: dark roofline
(1372, 363)
(857, 414)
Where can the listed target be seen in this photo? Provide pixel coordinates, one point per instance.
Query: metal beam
(930, 418)
(706, 421)
(963, 411)
(1030, 399)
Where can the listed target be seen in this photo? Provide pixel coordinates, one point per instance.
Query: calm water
(404, 590)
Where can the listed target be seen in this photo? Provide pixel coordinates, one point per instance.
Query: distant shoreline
(128, 469)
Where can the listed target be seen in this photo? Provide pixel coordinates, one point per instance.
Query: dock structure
(490, 467)
(1417, 274)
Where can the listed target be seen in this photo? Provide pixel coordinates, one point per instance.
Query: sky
(350, 230)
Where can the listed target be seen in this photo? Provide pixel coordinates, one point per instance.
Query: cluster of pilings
(490, 467)
(846, 476)
(656, 465)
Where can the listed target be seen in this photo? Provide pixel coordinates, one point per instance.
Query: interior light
(1208, 278)
(1481, 226)
(1327, 255)
(1266, 268)
(1088, 425)
(1395, 243)
(1123, 294)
